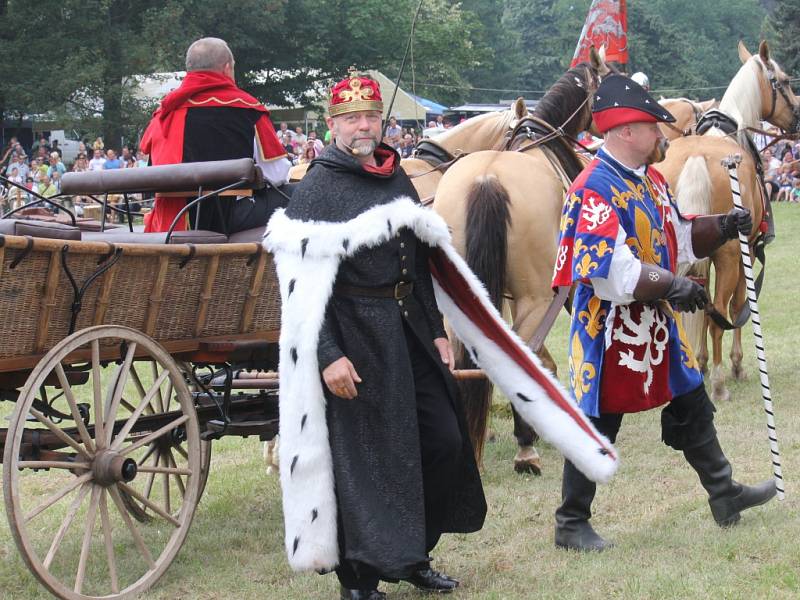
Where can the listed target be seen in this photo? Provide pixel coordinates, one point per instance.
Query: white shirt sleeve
(683, 231)
(623, 274)
(275, 170)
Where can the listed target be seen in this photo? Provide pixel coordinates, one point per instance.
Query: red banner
(606, 25)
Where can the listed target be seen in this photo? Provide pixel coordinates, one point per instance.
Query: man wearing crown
(387, 424)
(209, 118)
(621, 240)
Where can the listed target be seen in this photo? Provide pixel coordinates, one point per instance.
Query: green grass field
(668, 546)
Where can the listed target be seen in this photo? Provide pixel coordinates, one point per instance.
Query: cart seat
(43, 215)
(248, 235)
(193, 236)
(186, 177)
(40, 229)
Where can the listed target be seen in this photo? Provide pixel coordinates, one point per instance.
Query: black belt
(397, 291)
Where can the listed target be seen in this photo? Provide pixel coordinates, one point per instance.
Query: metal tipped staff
(731, 163)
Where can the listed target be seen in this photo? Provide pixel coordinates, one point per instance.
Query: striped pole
(731, 163)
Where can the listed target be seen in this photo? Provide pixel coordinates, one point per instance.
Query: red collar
(207, 88)
(385, 159)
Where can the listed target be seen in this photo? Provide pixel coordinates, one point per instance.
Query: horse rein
(776, 87)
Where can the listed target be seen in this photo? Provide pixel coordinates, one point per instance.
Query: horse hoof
(528, 461)
(722, 395)
(739, 374)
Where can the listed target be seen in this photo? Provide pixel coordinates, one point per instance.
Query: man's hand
(341, 378)
(738, 220)
(445, 352)
(686, 295)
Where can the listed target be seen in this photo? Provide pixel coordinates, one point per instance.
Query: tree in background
(785, 21)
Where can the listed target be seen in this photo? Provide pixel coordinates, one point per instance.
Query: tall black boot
(573, 530)
(726, 497)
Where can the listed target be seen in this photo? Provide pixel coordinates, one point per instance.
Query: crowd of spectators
(781, 164)
(41, 168)
(41, 171)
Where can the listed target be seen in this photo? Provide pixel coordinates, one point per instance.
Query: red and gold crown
(353, 94)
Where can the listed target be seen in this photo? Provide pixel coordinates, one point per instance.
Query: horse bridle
(779, 87)
(525, 124)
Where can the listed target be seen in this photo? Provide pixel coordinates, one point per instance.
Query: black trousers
(686, 422)
(440, 447)
(229, 215)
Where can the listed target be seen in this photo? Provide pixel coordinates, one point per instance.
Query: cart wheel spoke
(55, 430)
(155, 435)
(152, 476)
(165, 483)
(177, 473)
(91, 517)
(65, 524)
(154, 370)
(108, 542)
(73, 408)
(147, 455)
(143, 403)
(58, 496)
(182, 452)
(137, 382)
(134, 530)
(97, 389)
(149, 504)
(115, 393)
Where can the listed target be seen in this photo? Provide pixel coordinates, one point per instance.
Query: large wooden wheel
(77, 456)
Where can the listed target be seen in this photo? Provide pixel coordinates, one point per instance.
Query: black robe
(374, 439)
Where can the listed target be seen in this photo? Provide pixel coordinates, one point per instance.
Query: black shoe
(726, 497)
(429, 580)
(580, 536)
(361, 594)
(573, 530)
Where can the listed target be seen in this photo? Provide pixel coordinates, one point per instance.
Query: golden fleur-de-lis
(585, 265)
(594, 318)
(356, 92)
(602, 248)
(647, 239)
(637, 189)
(689, 358)
(580, 373)
(620, 199)
(566, 222)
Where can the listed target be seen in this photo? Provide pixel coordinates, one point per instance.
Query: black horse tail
(488, 218)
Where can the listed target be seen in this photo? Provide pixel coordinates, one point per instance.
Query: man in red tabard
(209, 118)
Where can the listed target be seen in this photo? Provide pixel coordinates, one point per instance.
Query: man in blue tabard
(621, 240)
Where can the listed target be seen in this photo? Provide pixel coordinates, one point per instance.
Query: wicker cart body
(124, 361)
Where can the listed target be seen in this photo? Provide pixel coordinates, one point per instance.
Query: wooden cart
(123, 361)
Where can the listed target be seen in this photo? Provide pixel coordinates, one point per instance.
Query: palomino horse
(759, 91)
(686, 112)
(504, 208)
(483, 132)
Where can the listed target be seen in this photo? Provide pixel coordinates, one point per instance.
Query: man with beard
(209, 118)
(403, 466)
(621, 241)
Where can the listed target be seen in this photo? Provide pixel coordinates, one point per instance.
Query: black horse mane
(557, 108)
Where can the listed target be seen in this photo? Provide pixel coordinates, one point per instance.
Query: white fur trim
(307, 256)
(598, 461)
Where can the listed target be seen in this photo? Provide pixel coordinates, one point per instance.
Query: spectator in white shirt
(98, 162)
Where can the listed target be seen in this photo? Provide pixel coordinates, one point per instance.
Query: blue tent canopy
(433, 107)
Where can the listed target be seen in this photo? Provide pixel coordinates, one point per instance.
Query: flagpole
(731, 163)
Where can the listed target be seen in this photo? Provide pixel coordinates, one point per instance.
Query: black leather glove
(738, 220)
(686, 295)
